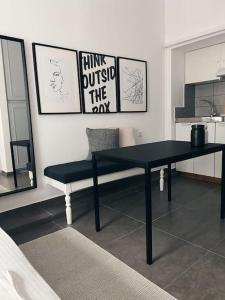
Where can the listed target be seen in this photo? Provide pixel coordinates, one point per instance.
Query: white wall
(115, 27)
(188, 18)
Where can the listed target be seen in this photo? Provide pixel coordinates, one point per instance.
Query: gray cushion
(102, 139)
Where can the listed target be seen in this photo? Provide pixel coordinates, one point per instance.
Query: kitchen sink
(213, 119)
(201, 119)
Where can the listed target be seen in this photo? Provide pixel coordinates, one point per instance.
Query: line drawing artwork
(135, 89)
(57, 81)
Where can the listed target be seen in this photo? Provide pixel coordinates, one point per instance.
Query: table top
(158, 153)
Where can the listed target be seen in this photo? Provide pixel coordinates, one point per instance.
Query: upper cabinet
(222, 56)
(203, 64)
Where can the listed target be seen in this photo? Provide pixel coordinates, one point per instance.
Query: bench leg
(161, 179)
(68, 209)
(31, 178)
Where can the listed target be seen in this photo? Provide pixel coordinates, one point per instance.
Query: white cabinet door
(202, 64)
(183, 133)
(220, 138)
(204, 165)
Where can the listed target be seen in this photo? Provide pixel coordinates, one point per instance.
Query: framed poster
(57, 79)
(132, 84)
(98, 82)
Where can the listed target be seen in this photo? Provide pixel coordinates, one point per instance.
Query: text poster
(98, 82)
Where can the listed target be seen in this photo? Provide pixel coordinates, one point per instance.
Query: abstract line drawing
(134, 92)
(132, 84)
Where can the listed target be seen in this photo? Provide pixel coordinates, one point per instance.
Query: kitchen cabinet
(222, 56)
(203, 64)
(183, 133)
(220, 138)
(202, 165)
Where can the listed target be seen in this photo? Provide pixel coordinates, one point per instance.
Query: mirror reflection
(16, 148)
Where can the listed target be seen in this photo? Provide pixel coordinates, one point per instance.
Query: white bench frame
(68, 188)
(31, 177)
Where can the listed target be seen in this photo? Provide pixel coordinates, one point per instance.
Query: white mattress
(18, 279)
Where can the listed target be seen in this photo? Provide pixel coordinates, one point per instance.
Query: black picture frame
(40, 111)
(84, 106)
(119, 59)
(32, 153)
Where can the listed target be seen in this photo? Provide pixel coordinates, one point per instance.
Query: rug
(77, 268)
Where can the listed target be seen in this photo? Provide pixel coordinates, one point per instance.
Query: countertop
(216, 119)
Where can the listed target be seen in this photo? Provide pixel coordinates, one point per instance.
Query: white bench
(74, 176)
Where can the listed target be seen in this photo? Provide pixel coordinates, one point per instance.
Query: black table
(149, 156)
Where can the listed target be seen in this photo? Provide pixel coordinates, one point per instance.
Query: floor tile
(122, 185)
(34, 232)
(201, 226)
(54, 206)
(114, 224)
(18, 218)
(171, 256)
(220, 248)
(57, 207)
(182, 182)
(108, 198)
(196, 194)
(204, 280)
(133, 204)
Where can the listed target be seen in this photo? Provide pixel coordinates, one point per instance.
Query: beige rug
(77, 268)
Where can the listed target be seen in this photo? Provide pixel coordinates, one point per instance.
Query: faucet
(212, 107)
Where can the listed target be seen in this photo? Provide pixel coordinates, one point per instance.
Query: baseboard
(201, 177)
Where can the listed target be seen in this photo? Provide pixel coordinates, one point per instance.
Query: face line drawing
(56, 80)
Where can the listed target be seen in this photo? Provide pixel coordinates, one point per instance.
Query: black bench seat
(79, 170)
(73, 176)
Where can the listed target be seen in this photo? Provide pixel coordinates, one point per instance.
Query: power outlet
(139, 133)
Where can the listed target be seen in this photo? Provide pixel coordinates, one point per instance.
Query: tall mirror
(17, 166)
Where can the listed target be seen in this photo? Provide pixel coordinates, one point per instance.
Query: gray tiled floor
(188, 235)
(204, 280)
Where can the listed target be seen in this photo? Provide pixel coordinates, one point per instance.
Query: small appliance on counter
(197, 135)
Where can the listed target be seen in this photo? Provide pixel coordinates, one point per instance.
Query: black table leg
(14, 166)
(169, 182)
(28, 153)
(96, 196)
(148, 214)
(222, 211)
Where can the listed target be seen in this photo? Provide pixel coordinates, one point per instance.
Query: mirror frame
(21, 41)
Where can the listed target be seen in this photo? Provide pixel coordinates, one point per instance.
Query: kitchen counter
(215, 119)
